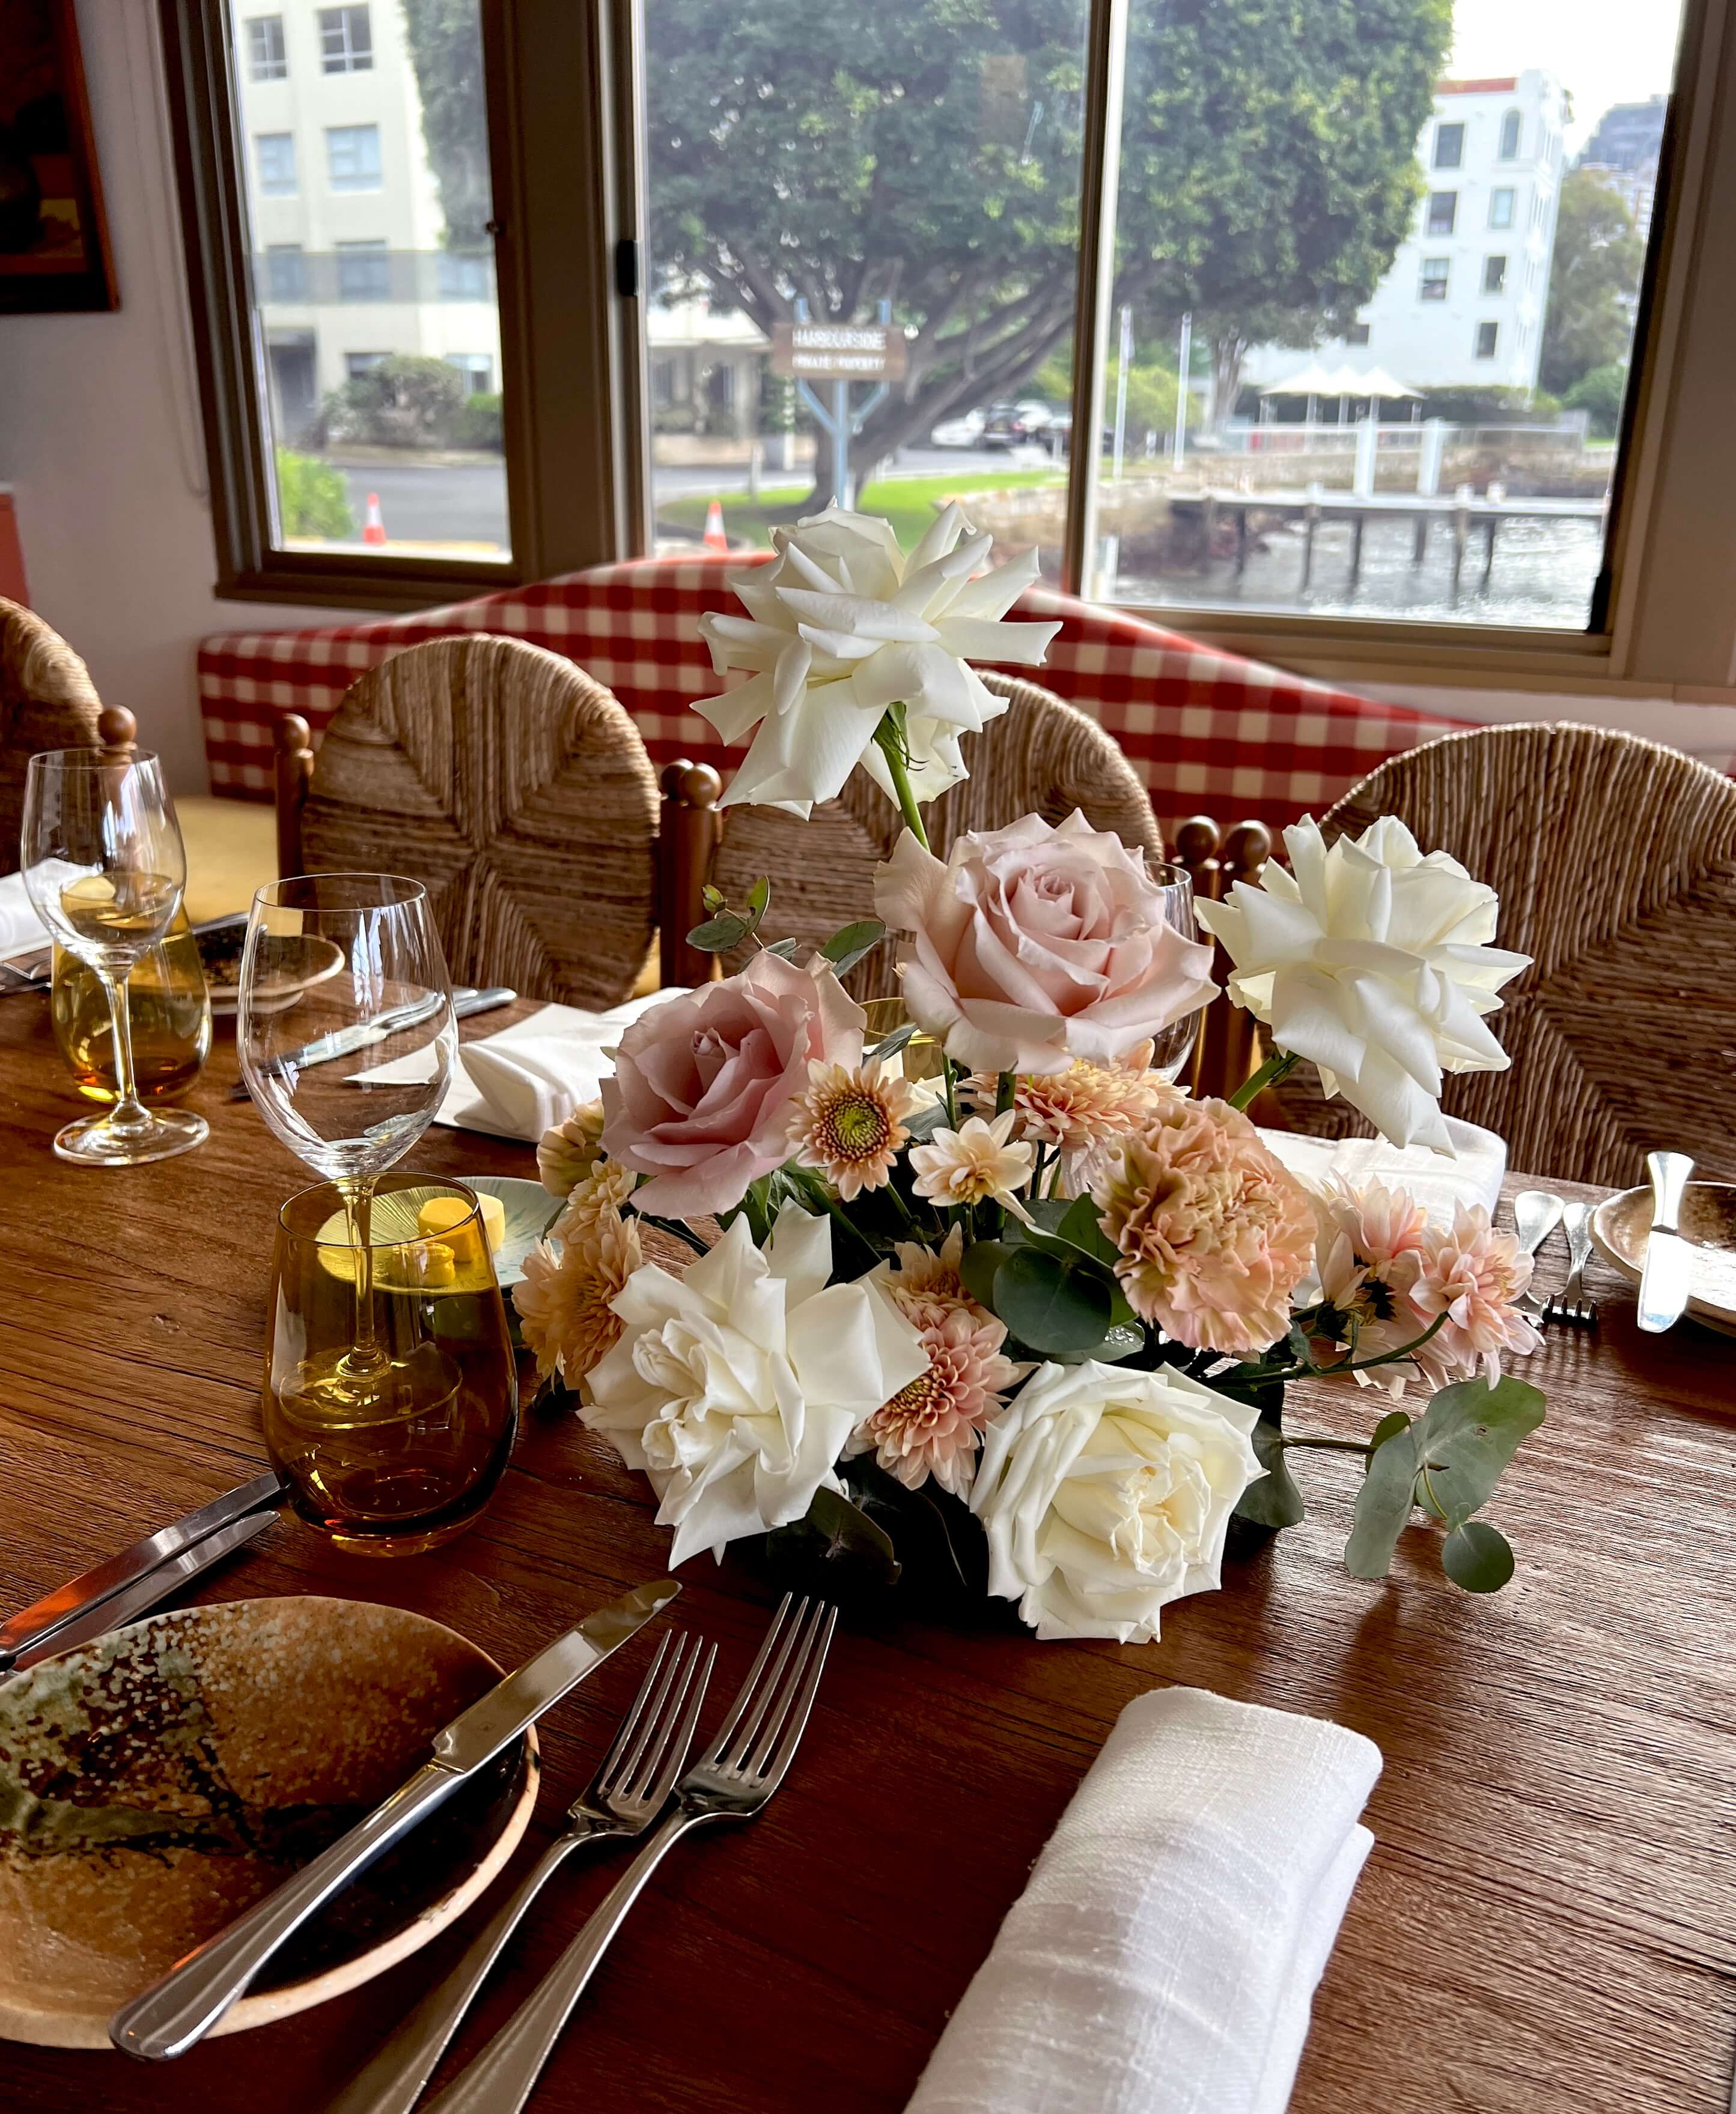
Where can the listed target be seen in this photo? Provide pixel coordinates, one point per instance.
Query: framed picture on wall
(54, 243)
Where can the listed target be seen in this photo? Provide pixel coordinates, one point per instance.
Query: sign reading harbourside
(838, 352)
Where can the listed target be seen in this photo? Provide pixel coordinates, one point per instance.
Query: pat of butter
(443, 1216)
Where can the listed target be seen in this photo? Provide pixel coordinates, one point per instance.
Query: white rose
(1107, 1494)
(842, 625)
(1371, 960)
(735, 1387)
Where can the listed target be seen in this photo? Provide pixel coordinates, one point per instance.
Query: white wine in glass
(104, 865)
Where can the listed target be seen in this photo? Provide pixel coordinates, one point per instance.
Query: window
(1494, 275)
(286, 272)
(1510, 147)
(1500, 206)
(356, 364)
(1449, 146)
(1433, 286)
(1443, 211)
(266, 60)
(1357, 334)
(353, 157)
(662, 383)
(346, 40)
(1487, 336)
(477, 369)
(274, 156)
(464, 278)
(364, 272)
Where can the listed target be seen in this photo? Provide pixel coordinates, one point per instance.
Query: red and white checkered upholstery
(1204, 730)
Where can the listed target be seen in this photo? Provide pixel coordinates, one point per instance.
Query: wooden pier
(1312, 508)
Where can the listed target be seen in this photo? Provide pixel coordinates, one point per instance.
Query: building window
(464, 278)
(1449, 146)
(266, 58)
(662, 383)
(353, 157)
(356, 364)
(346, 40)
(1443, 211)
(274, 156)
(477, 369)
(1434, 286)
(1509, 148)
(1357, 334)
(364, 272)
(286, 272)
(1500, 206)
(1494, 275)
(1487, 335)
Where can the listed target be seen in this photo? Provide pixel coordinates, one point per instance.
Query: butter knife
(1663, 1284)
(49, 1624)
(178, 2011)
(344, 1042)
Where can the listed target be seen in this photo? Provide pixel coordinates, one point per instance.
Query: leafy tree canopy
(445, 38)
(1593, 282)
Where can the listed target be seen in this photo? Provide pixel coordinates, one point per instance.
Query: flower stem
(673, 1226)
(1326, 1445)
(1004, 1094)
(890, 738)
(1278, 1066)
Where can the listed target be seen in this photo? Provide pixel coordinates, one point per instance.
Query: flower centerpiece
(1046, 1306)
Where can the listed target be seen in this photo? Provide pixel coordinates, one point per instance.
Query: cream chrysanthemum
(563, 1299)
(849, 1125)
(602, 1194)
(932, 1425)
(927, 1281)
(1368, 1252)
(1473, 1276)
(567, 1154)
(975, 1164)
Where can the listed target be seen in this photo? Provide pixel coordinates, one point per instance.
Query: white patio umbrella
(1312, 381)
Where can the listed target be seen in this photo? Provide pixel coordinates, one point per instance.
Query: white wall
(100, 434)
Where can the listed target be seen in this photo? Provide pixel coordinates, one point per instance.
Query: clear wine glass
(343, 973)
(105, 866)
(1173, 1044)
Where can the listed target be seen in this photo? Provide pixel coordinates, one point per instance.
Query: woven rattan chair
(47, 701)
(512, 785)
(1615, 862)
(1042, 756)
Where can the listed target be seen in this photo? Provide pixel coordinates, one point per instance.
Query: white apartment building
(349, 259)
(1463, 303)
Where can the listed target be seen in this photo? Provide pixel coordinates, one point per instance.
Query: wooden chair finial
(117, 729)
(690, 831)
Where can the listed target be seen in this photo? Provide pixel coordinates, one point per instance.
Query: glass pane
(1377, 271)
(872, 211)
(366, 159)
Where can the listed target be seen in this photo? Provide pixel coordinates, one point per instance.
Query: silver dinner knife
(346, 1041)
(178, 2011)
(49, 1625)
(1663, 1284)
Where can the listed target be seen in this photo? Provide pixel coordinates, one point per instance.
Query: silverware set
(1536, 1213)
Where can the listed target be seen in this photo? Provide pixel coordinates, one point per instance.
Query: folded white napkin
(1438, 1183)
(1163, 1957)
(21, 931)
(531, 1076)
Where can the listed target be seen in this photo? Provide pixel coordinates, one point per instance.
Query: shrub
(409, 400)
(1490, 405)
(1601, 393)
(313, 498)
(477, 422)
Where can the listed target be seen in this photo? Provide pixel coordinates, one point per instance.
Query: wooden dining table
(1548, 1920)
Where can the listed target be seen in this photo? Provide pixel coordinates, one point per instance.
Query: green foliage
(313, 499)
(1492, 404)
(1602, 393)
(1478, 1557)
(1593, 282)
(445, 39)
(1056, 1306)
(409, 400)
(1274, 1501)
(853, 944)
(835, 1549)
(477, 422)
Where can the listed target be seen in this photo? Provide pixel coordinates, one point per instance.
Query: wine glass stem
(365, 1354)
(129, 1112)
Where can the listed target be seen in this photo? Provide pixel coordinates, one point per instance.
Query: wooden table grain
(1545, 1923)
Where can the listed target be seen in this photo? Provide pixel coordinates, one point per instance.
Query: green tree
(1593, 282)
(1602, 393)
(313, 499)
(445, 39)
(409, 400)
(926, 152)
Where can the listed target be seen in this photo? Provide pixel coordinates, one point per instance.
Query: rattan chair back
(47, 701)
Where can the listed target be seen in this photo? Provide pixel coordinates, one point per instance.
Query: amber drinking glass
(394, 1444)
(1173, 1044)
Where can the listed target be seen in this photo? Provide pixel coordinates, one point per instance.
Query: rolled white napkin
(21, 931)
(1472, 1176)
(1163, 1957)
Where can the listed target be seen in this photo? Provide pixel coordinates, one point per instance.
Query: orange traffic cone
(373, 528)
(715, 539)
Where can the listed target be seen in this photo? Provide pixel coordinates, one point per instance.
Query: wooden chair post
(117, 730)
(293, 773)
(689, 829)
(1227, 1052)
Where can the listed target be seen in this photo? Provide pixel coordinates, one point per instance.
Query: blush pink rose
(704, 1085)
(1035, 945)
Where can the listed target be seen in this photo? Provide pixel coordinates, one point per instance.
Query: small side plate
(1621, 1223)
(528, 1206)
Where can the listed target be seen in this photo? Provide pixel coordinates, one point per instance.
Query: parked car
(965, 431)
(1019, 425)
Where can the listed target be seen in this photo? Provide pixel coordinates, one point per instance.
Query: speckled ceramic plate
(1620, 1223)
(157, 1781)
(528, 1206)
(292, 964)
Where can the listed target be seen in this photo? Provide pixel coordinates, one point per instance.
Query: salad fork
(732, 1780)
(630, 1789)
(1570, 1304)
(1536, 1214)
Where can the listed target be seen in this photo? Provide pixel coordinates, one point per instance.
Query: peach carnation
(1474, 1276)
(1214, 1233)
(563, 1298)
(1074, 1110)
(934, 1423)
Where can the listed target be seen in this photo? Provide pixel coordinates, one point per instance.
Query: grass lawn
(907, 502)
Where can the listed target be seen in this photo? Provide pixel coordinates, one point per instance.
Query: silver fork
(731, 1781)
(1570, 1304)
(1536, 1214)
(631, 1789)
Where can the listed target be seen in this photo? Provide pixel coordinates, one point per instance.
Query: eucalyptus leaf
(1383, 1505)
(1389, 1426)
(1059, 1309)
(848, 946)
(1466, 1438)
(1275, 1499)
(785, 950)
(890, 1047)
(759, 897)
(926, 1122)
(1081, 1225)
(977, 1266)
(717, 936)
(1478, 1557)
(713, 899)
(1122, 1342)
(835, 1536)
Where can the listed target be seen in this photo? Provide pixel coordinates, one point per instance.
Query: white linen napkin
(1438, 1183)
(532, 1075)
(1163, 1957)
(21, 931)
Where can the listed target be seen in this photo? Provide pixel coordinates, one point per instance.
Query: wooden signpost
(840, 353)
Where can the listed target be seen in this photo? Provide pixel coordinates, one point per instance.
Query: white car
(962, 432)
